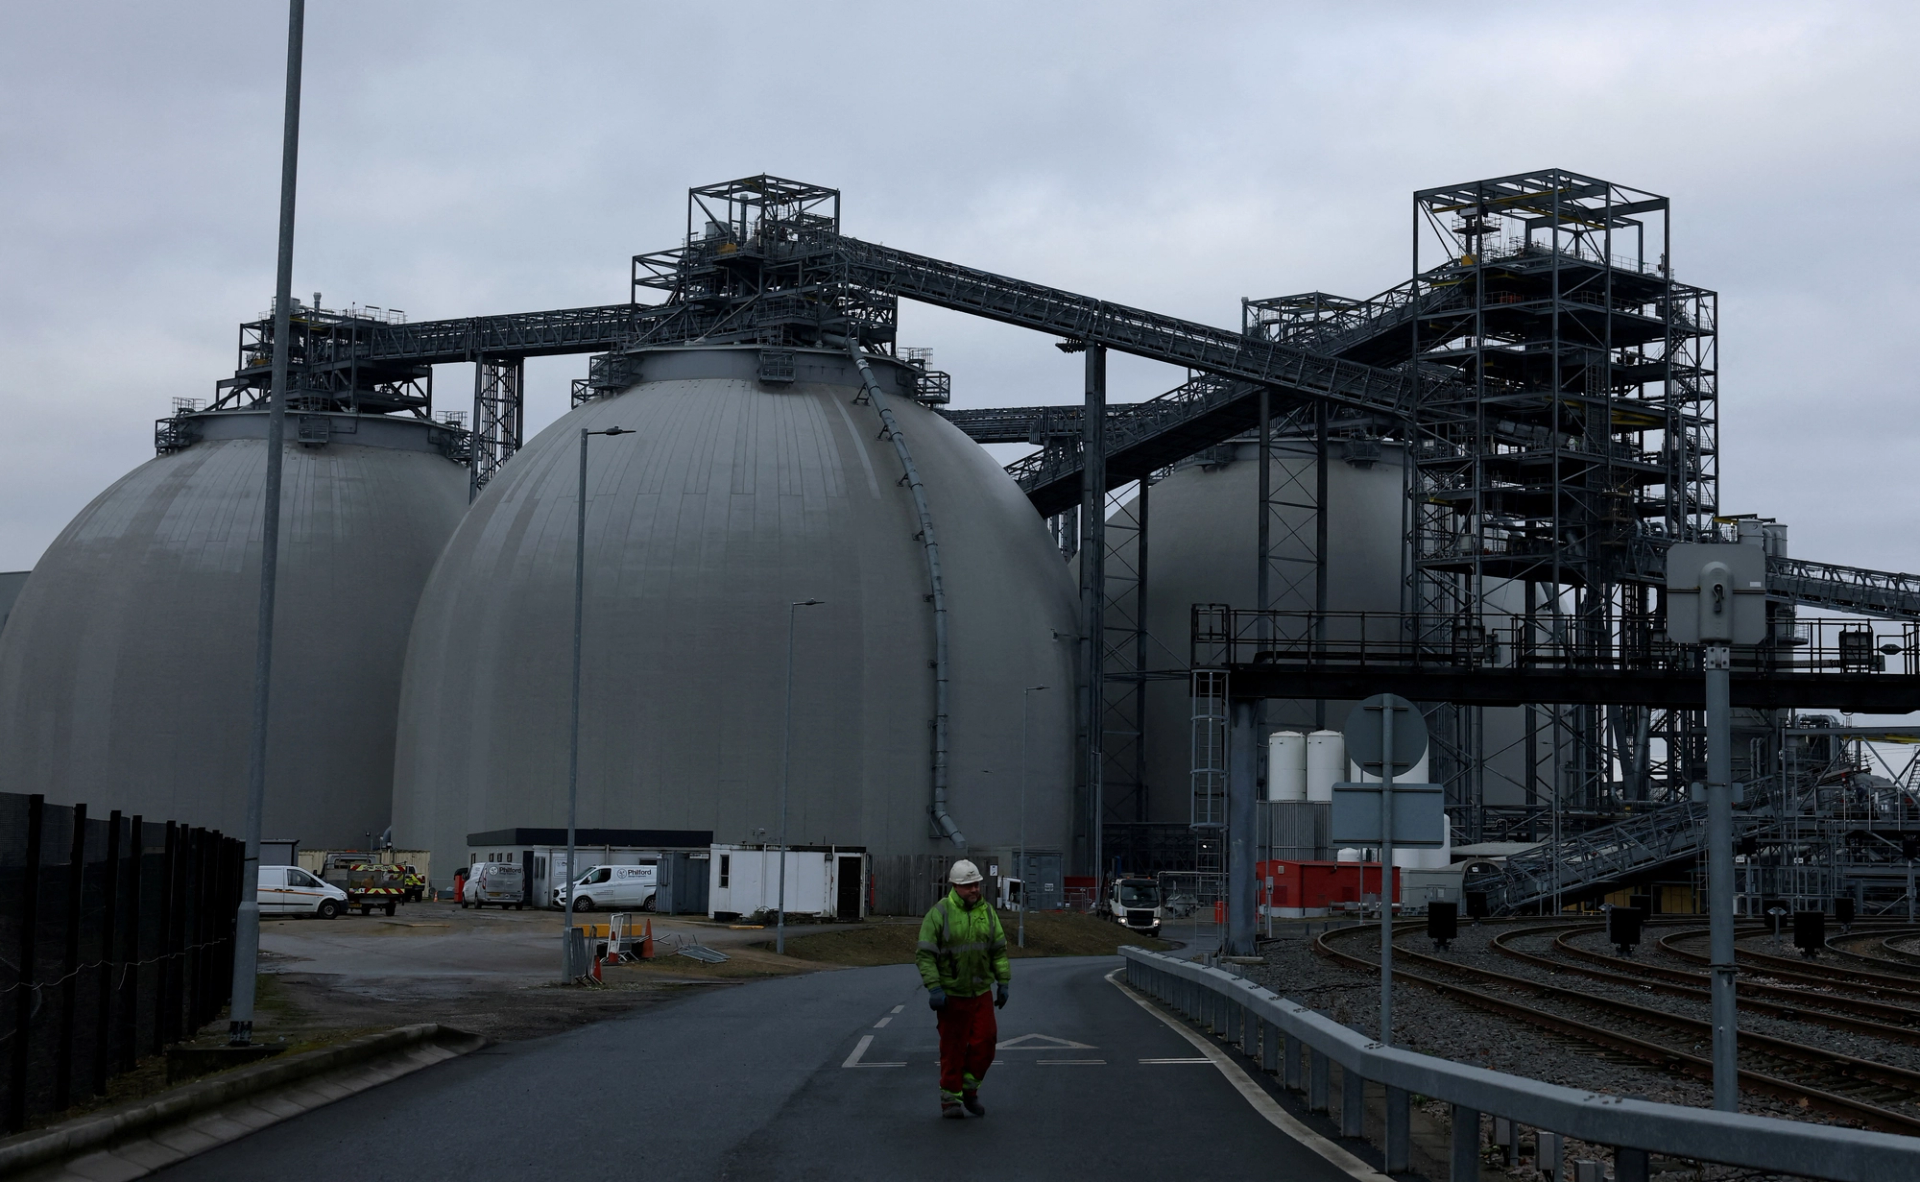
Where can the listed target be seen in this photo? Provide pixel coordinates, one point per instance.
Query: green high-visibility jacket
(963, 949)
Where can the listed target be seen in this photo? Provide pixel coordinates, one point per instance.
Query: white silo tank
(1287, 766)
(735, 498)
(126, 667)
(1326, 764)
(1417, 774)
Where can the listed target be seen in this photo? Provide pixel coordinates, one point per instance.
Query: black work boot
(972, 1101)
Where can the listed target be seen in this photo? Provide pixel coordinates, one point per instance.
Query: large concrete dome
(126, 667)
(734, 499)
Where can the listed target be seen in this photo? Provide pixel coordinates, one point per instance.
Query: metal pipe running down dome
(931, 548)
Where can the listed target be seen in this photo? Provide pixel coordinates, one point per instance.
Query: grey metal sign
(1419, 815)
(1716, 593)
(1363, 734)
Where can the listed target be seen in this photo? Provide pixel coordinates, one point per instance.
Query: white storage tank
(126, 667)
(1287, 766)
(735, 498)
(1326, 764)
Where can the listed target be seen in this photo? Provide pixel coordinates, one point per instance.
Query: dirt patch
(1049, 933)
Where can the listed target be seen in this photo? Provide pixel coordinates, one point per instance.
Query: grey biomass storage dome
(126, 667)
(735, 499)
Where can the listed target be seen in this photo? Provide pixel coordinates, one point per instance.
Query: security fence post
(1399, 1146)
(1464, 1160)
(1353, 1103)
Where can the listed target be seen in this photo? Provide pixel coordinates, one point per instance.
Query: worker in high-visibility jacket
(963, 963)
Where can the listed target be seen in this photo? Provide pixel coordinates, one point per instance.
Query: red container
(1314, 888)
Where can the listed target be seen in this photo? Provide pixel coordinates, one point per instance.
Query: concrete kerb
(1636, 1126)
(143, 1117)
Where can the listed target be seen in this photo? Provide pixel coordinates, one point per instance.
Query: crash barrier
(1280, 1034)
(116, 938)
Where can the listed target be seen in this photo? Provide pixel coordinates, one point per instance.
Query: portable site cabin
(823, 881)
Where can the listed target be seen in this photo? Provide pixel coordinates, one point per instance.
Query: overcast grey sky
(462, 158)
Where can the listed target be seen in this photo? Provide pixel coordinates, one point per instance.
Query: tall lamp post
(1025, 695)
(570, 971)
(246, 933)
(786, 749)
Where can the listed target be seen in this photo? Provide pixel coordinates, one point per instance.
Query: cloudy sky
(463, 158)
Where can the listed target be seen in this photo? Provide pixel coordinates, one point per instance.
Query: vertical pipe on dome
(945, 822)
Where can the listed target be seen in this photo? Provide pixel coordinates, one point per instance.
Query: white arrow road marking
(860, 1048)
(1256, 1095)
(1042, 1042)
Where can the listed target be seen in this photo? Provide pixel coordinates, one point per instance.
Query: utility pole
(1716, 598)
(246, 935)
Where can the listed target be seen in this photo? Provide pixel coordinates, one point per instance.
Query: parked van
(611, 886)
(500, 883)
(289, 890)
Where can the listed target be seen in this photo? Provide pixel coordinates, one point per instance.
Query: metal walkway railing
(1607, 853)
(1300, 1046)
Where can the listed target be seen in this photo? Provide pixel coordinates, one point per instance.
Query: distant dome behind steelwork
(126, 667)
(736, 497)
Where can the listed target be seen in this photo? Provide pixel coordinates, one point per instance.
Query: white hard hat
(963, 872)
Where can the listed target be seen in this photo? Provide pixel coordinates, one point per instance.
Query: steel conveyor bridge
(1222, 401)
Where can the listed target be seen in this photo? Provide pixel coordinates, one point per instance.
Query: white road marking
(882, 1022)
(1071, 1062)
(896, 1009)
(1042, 1042)
(860, 1048)
(1255, 1095)
(1176, 1060)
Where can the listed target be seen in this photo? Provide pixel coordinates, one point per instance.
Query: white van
(502, 883)
(612, 886)
(289, 890)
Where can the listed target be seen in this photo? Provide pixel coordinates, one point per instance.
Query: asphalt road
(829, 1075)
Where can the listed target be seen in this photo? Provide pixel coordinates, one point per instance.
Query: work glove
(1000, 996)
(936, 998)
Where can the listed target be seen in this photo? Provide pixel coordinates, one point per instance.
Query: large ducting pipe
(941, 818)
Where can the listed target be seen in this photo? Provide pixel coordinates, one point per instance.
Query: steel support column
(1093, 553)
(1242, 789)
(499, 417)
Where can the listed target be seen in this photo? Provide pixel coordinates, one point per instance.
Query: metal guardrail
(1280, 1034)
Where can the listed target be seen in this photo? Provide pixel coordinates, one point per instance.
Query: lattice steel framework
(499, 417)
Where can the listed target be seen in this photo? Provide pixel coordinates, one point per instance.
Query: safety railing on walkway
(1300, 1046)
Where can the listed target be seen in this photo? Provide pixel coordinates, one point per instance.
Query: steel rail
(1826, 1062)
(1694, 986)
(1858, 980)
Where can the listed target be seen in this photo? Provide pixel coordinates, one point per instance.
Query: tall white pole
(246, 933)
(786, 748)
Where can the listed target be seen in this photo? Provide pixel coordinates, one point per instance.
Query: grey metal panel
(734, 499)
(126, 667)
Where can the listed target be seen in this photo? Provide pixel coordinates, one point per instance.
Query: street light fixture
(1025, 887)
(786, 747)
(569, 971)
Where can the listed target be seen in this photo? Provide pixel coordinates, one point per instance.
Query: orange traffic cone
(646, 942)
(596, 968)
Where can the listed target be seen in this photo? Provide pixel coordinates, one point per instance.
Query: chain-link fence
(116, 938)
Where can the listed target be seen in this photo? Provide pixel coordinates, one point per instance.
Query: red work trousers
(968, 1035)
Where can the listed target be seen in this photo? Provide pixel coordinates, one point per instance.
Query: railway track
(1881, 951)
(1862, 982)
(1837, 1084)
(1895, 1023)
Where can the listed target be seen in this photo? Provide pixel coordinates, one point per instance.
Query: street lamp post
(570, 971)
(1025, 887)
(786, 749)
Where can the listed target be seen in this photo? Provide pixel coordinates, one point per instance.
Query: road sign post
(1716, 598)
(1386, 736)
